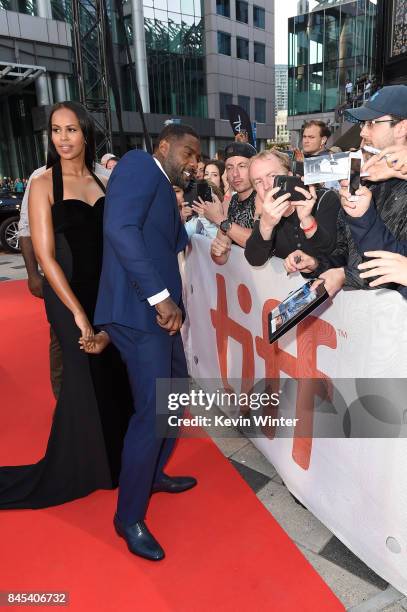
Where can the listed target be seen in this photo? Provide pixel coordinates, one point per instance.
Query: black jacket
(287, 236)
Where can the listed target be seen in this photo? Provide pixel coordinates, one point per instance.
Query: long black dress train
(91, 415)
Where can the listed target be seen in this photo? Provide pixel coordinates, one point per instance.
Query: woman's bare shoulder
(41, 185)
(43, 179)
(103, 179)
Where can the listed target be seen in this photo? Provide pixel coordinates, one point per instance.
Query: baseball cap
(242, 149)
(391, 100)
(106, 158)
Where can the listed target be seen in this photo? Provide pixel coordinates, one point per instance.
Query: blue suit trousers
(148, 356)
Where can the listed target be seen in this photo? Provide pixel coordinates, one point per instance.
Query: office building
(192, 58)
(334, 42)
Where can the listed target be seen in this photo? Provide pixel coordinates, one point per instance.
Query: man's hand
(355, 205)
(395, 158)
(389, 267)
(304, 207)
(376, 169)
(298, 261)
(272, 211)
(35, 283)
(169, 316)
(220, 246)
(333, 279)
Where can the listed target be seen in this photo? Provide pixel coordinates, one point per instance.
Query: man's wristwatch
(225, 226)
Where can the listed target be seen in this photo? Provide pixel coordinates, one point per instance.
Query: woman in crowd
(90, 419)
(213, 173)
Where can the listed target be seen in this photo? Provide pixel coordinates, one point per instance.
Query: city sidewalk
(358, 587)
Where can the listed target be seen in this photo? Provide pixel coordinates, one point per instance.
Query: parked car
(10, 205)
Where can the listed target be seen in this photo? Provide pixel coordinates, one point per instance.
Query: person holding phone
(289, 225)
(383, 122)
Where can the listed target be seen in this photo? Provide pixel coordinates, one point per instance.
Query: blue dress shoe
(139, 540)
(173, 484)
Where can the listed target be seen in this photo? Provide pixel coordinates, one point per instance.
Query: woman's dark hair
(220, 166)
(88, 129)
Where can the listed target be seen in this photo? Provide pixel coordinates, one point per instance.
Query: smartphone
(354, 173)
(287, 184)
(204, 191)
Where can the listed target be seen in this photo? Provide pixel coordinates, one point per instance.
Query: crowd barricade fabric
(356, 486)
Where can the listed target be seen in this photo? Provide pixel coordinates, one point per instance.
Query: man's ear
(400, 129)
(164, 147)
(290, 173)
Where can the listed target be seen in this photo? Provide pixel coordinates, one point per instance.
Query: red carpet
(224, 550)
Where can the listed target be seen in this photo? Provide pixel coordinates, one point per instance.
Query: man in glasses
(383, 121)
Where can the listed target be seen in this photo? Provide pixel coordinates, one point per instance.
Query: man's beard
(176, 174)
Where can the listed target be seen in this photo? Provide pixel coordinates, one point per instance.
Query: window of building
(244, 102)
(260, 110)
(259, 53)
(242, 48)
(259, 17)
(223, 8)
(224, 100)
(242, 11)
(224, 43)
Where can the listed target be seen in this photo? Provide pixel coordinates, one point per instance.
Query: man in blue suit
(140, 307)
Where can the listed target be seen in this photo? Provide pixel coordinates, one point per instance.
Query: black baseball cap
(391, 100)
(242, 149)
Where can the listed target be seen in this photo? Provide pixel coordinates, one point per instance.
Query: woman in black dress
(90, 419)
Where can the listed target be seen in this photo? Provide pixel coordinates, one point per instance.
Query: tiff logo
(310, 334)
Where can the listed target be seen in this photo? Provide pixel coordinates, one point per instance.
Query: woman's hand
(97, 345)
(185, 212)
(82, 321)
(213, 211)
(298, 261)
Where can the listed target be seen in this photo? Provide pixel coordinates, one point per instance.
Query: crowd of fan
(337, 238)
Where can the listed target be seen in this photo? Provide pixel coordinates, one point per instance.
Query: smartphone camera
(354, 174)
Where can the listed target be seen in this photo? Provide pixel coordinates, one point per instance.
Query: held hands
(35, 283)
(355, 205)
(389, 267)
(298, 261)
(213, 211)
(169, 316)
(97, 345)
(86, 328)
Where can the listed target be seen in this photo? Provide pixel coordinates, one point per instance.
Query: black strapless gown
(92, 412)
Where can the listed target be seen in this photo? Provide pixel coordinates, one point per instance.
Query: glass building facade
(326, 47)
(174, 32)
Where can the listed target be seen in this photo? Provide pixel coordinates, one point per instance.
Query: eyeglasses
(369, 124)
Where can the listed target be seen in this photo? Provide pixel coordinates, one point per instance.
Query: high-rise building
(334, 42)
(192, 58)
(391, 59)
(281, 79)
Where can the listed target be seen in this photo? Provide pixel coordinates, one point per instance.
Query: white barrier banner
(357, 486)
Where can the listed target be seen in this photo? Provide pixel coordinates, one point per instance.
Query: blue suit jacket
(371, 234)
(142, 235)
